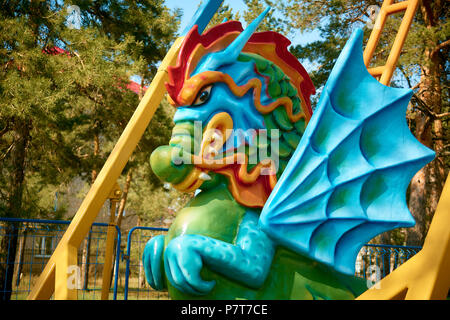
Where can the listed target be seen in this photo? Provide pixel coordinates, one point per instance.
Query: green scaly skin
(216, 214)
(292, 276)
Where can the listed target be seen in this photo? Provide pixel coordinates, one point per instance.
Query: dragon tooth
(204, 176)
(216, 136)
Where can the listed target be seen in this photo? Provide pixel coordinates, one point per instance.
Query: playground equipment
(243, 206)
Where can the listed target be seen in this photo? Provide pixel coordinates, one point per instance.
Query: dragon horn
(231, 53)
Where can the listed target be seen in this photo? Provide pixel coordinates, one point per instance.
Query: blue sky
(190, 6)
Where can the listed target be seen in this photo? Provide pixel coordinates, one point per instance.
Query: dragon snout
(169, 164)
(174, 163)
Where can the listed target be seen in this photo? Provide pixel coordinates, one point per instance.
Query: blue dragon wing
(346, 182)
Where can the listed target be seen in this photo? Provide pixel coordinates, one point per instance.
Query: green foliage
(254, 8)
(271, 22)
(55, 106)
(224, 13)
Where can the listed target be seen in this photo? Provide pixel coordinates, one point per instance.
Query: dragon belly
(217, 215)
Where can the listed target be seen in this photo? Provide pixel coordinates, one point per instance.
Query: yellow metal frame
(389, 7)
(114, 198)
(55, 277)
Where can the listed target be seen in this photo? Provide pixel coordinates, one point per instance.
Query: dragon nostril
(177, 161)
(177, 156)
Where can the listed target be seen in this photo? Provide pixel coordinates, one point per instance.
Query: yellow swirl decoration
(191, 182)
(192, 86)
(222, 123)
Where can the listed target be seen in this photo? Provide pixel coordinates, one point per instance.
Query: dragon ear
(230, 54)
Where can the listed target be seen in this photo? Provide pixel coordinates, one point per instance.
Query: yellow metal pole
(110, 237)
(388, 7)
(102, 186)
(426, 276)
(67, 277)
(399, 40)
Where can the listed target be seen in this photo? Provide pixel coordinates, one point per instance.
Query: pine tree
(271, 22)
(224, 13)
(63, 94)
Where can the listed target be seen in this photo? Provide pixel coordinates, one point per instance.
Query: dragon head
(242, 104)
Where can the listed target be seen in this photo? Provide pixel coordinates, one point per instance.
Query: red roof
(133, 86)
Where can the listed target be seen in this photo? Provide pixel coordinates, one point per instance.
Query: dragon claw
(152, 258)
(183, 265)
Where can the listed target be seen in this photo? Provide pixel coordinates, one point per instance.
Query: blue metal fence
(36, 240)
(382, 259)
(136, 287)
(374, 262)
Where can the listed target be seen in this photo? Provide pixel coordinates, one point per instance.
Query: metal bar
(399, 41)
(376, 71)
(392, 246)
(127, 268)
(116, 275)
(376, 33)
(66, 259)
(397, 7)
(115, 163)
(101, 224)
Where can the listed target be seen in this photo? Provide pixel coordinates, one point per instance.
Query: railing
(36, 240)
(375, 261)
(136, 287)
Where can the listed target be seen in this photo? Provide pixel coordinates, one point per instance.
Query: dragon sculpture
(284, 198)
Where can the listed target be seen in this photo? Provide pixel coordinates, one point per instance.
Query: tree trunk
(123, 200)
(8, 247)
(85, 261)
(120, 212)
(415, 236)
(87, 242)
(94, 172)
(426, 186)
(141, 277)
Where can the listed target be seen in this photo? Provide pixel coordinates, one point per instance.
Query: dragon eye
(203, 95)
